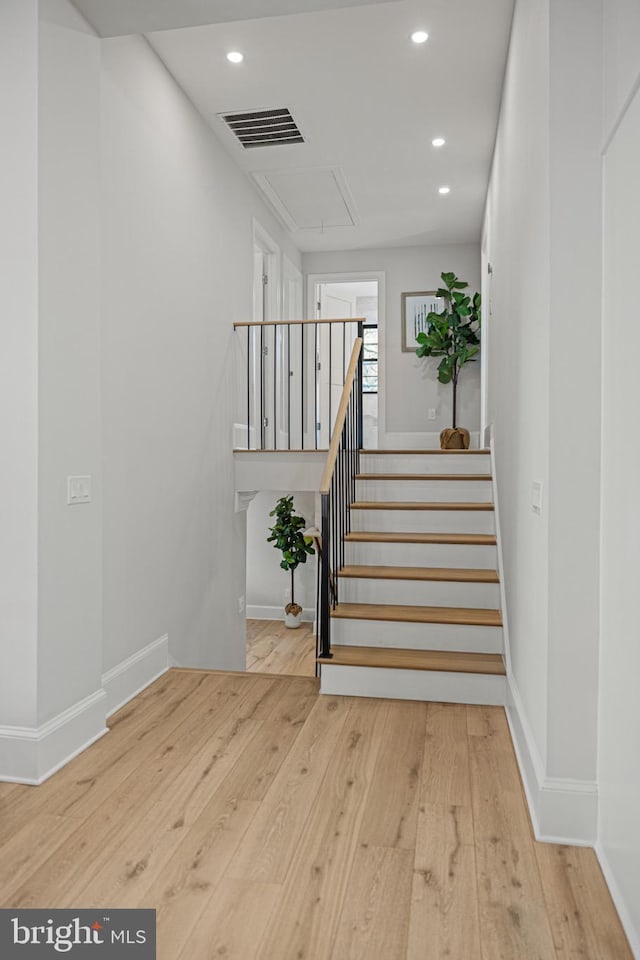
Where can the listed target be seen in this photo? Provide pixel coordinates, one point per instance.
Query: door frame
(262, 240)
(361, 276)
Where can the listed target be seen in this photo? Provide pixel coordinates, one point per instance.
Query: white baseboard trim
(257, 612)
(130, 676)
(619, 902)
(420, 441)
(32, 754)
(562, 811)
(392, 684)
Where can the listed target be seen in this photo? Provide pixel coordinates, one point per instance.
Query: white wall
(267, 583)
(563, 416)
(18, 360)
(542, 238)
(517, 329)
(574, 399)
(411, 385)
(621, 58)
(50, 251)
(70, 584)
(619, 726)
(177, 271)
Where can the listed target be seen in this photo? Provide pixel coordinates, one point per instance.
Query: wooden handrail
(295, 323)
(325, 483)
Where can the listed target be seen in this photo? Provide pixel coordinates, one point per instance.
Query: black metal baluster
(360, 385)
(289, 375)
(318, 601)
(325, 639)
(315, 383)
(248, 390)
(275, 386)
(335, 507)
(343, 495)
(302, 387)
(354, 452)
(261, 387)
(344, 351)
(330, 353)
(340, 476)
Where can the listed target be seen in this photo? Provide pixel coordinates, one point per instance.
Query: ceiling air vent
(263, 128)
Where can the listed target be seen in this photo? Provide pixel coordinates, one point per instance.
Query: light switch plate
(536, 497)
(78, 490)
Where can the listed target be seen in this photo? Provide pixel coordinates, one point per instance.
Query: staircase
(419, 616)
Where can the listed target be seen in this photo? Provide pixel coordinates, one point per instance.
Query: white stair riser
(425, 463)
(422, 554)
(426, 593)
(416, 636)
(413, 685)
(424, 521)
(452, 491)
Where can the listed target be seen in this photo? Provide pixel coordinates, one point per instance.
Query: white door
(333, 349)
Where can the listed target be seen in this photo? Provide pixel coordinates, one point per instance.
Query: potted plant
(286, 536)
(452, 335)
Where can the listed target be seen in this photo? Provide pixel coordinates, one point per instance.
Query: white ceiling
(367, 100)
(114, 18)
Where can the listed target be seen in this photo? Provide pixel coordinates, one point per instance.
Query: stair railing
(291, 378)
(337, 493)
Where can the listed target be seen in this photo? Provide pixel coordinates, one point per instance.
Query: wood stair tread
(417, 505)
(409, 613)
(384, 536)
(423, 476)
(444, 574)
(439, 660)
(434, 452)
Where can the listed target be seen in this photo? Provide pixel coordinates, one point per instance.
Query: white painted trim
(496, 517)
(32, 754)
(258, 612)
(263, 240)
(130, 676)
(262, 612)
(243, 498)
(562, 811)
(391, 684)
(261, 178)
(421, 441)
(362, 276)
(619, 902)
(621, 115)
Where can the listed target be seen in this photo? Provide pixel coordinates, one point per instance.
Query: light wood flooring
(262, 820)
(274, 648)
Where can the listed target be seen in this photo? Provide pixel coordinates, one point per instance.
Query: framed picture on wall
(415, 308)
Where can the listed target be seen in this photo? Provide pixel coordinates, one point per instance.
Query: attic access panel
(263, 128)
(313, 199)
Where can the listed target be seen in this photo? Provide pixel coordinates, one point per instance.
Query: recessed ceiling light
(438, 142)
(419, 36)
(235, 56)
(444, 190)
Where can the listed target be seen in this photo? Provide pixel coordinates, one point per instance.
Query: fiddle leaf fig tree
(286, 536)
(452, 334)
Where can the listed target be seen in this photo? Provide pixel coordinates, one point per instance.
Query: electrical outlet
(241, 604)
(536, 497)
(431, 413)
(286, 595)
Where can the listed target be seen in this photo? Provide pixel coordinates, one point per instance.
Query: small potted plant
(286, 536)
(452, 335)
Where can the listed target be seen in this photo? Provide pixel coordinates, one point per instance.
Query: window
(370, 359)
